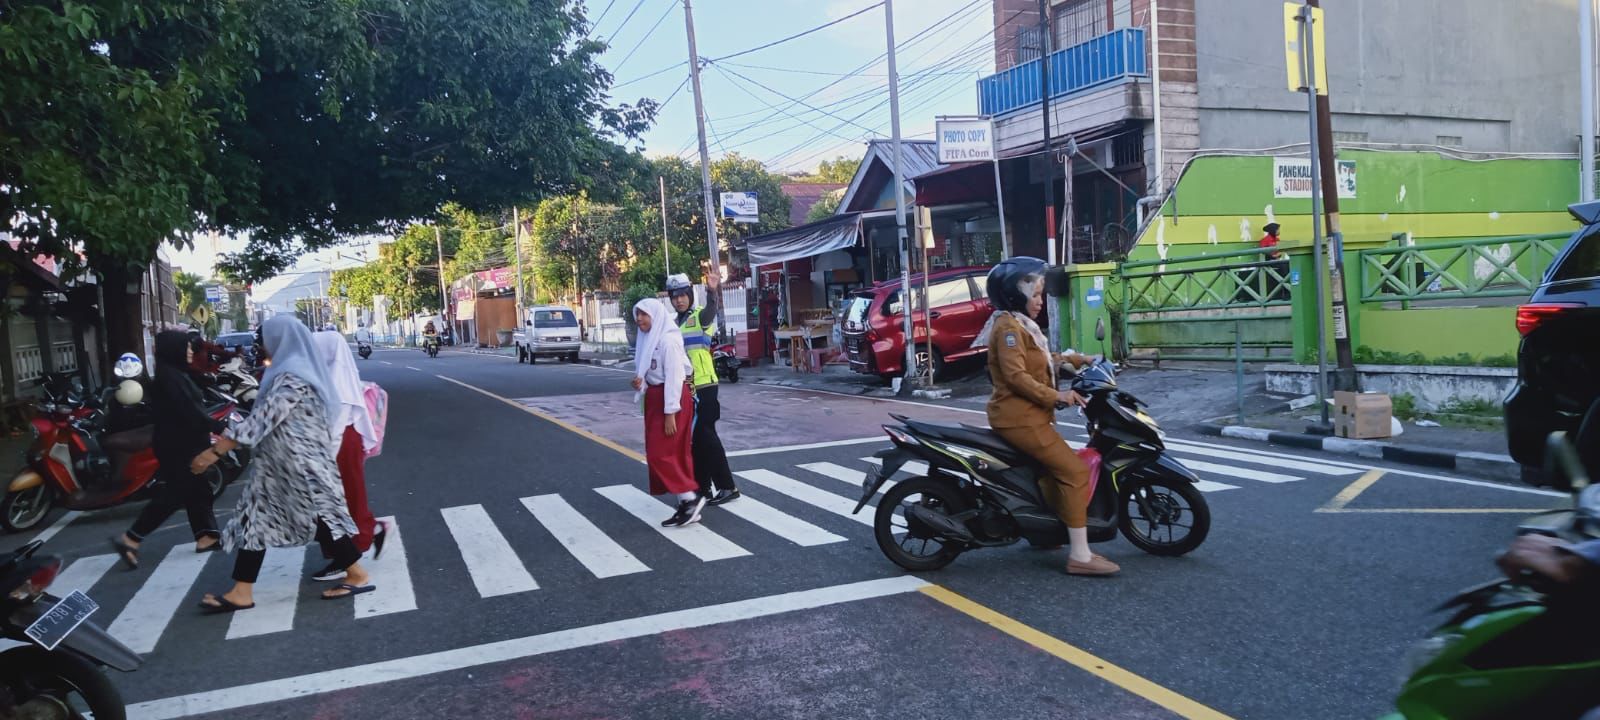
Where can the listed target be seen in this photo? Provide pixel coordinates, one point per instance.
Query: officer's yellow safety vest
(698, 344)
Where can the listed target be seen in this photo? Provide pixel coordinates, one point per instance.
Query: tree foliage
(841, 169)
(825, 207)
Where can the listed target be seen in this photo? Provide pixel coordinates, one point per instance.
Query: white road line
(810, 446)
(1203, 485)
(392, 576)
(697, 539)
(82, 574)
(587, 543)
(837, 472)
(57, 526)
(807, 494)
(408, 367)
(399, 669)
(145, 618)
(386, 362)
(779, 523)
(1239, 472)
(1213, 486)
(494, 566)
(1183, 448)
(277, 592)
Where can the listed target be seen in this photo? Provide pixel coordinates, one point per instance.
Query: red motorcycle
(79, 462)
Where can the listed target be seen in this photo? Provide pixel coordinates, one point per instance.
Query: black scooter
(979, 492)
(57, 675)
(363, 349)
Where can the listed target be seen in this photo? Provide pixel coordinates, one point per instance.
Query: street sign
(1094, 298)
(741, 207)
(964, 139)
(1291, 46)
(214, 293)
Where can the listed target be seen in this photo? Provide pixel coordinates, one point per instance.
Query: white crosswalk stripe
(82, 574)
(835, 504)
(779, 523)
(145, 618)
(697, 539)
(1186, 450)
(1238, 472)
(276, 593)
(392, 576)
(914, 467)
(1213, 486)
(588, 544)
(491, 561)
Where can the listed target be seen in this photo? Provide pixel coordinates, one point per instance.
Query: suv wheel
(938, 362)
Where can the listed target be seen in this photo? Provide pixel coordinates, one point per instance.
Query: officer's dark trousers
(710, 459)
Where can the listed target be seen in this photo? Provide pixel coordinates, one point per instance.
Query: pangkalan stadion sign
(1291, 178)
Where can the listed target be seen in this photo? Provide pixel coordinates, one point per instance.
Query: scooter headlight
(1423, 653)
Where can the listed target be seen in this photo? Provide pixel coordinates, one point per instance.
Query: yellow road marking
(564, 425)
(1349, 493)
(1084, 660)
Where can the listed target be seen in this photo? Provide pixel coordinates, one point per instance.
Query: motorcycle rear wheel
(25, 509)
(1173, 504)
(907, 551)
(31, 672)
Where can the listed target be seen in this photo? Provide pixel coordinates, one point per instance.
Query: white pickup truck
(549, 331)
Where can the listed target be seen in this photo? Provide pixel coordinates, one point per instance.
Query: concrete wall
(1432, 386)
(1500, 74)
(1441, 332)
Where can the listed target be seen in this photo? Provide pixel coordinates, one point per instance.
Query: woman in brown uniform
(1022, 408)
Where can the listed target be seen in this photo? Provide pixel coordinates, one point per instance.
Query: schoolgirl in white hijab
(661, 371)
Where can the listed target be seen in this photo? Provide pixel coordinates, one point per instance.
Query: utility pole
(666, 248)
(705, 157)
(516, 223)
(1051, 330)
(1586, 62)
(1345, 377)
(444, 302)
(910, 369)
(1308, 65)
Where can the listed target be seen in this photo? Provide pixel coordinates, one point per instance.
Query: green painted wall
(1222, 202)
(1441, 332)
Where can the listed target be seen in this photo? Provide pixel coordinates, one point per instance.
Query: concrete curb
(602, 362)
(1487, 465)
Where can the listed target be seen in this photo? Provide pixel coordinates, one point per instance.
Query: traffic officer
(1022, 407)
(697, 324)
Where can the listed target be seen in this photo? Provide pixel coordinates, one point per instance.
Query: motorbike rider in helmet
(1022, 408)
(697, 324)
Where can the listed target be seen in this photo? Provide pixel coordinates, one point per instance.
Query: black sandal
(378, 537)
(224, 605)
(128, 553)
(349, 591)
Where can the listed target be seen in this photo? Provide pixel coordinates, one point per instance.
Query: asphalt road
(531, 580)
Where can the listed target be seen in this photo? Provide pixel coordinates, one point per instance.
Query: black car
(1558, 363)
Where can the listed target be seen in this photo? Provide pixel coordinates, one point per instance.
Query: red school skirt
(669, 459)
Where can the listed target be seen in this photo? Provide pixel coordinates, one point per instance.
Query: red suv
(874, 329)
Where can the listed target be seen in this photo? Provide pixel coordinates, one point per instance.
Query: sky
(790, 106)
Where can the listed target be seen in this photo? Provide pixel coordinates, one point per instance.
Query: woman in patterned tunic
(292, 493)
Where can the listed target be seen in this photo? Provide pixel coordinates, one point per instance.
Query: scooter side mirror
(1562, 465)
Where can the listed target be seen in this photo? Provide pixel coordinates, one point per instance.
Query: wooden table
(801, 337)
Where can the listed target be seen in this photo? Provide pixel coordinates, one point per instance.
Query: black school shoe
(688, 513)
(724, 496)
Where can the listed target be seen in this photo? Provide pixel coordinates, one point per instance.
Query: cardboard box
(1361, 415)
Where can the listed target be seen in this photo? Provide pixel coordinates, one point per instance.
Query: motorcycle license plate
(60, 620)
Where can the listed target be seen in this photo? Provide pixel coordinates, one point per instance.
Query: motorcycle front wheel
(1165, 516)
(915, 548)
(25, 509)
(58, 684)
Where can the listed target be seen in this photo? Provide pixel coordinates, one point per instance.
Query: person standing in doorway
(698, 324)
(661, 383)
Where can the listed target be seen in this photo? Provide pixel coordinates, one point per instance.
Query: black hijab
(172, 353)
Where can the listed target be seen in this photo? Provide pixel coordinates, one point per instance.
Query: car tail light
(1532, 316)
(36, 582)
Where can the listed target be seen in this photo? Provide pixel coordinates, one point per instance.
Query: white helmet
(130, 392)
(129, 366)
(678, 283)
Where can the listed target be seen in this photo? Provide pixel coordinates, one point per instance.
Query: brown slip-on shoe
(1097, 565)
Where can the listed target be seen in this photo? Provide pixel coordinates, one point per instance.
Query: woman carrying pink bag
(361, 438)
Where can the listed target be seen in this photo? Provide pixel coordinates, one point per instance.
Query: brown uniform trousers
(1022, 411)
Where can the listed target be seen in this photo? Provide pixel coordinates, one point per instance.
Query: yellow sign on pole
(1293, 47)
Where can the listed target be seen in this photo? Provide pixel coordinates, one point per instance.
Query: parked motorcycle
(364, 349)
(726, 362)
(234, 380)
(56, 675)
(89, 454)
(1520, 648)
(979, 492)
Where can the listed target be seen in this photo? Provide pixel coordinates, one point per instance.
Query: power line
(784, 96)
(625, 20)
(746, 91)
(800, 34)
(651, 75)
(674, 94)
(603, 13)
(807, 72)
(670, 6)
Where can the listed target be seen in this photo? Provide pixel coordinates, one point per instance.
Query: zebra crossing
(798, 505)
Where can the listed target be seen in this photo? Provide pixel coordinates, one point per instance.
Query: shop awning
(802, 241)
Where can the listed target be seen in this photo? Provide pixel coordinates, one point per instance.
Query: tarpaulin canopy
(802, 241)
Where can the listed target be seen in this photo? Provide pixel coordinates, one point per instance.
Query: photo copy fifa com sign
(964, 139)
(741, 207)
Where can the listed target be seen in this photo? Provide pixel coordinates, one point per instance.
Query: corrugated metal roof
(918, 156)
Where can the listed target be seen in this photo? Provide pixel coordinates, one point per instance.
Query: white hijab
(664, 342)
(288, 344)
(335, 355)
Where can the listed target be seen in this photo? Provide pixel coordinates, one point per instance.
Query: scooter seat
(974, 437)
